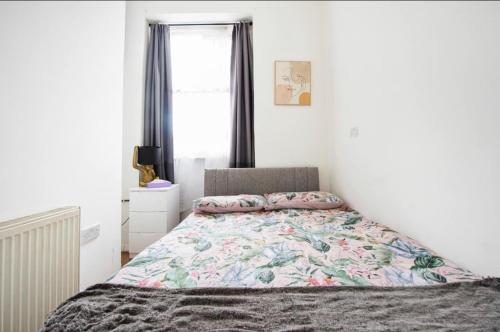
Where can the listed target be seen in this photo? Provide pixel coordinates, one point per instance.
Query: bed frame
(234, 181)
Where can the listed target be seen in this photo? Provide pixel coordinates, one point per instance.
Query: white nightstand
(153, 213)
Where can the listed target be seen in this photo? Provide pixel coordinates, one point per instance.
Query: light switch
(354, 132)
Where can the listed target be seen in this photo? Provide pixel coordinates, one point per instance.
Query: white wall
(61, 79)
(285, 136)
(422, 82)
(419, 80)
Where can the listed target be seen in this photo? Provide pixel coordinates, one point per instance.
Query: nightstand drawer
(148, 222)
(139, 241)
(148, 201)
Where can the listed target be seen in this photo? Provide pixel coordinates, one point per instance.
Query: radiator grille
(39, 266)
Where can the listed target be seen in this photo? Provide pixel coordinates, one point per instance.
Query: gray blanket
(472, 306)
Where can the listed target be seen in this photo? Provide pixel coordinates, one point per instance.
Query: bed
(226, 266)
(282, 248)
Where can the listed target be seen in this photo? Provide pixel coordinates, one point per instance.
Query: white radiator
(39, 266)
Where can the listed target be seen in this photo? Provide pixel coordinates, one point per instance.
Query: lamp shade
(149, 155)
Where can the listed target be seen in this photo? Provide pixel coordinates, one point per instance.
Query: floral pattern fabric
(303, 200)
(286, 248)
(224, 204)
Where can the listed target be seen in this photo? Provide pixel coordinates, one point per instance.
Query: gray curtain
(158, 99)
(242, 154)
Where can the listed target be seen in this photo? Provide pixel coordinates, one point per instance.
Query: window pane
(200, 78)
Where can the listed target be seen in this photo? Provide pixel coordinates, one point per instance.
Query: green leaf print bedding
(289, 247)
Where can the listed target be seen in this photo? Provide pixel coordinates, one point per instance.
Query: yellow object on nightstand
(146, 172)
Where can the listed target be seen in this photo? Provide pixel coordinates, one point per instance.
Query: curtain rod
(195, 24)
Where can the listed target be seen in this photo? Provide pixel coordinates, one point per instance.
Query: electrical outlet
(89, 233)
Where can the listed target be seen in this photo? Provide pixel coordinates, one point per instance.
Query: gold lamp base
(146, 175)
(146, 172)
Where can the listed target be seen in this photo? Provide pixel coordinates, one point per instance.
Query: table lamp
(145, 157)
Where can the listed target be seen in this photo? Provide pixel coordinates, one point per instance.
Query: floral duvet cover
(288, 247)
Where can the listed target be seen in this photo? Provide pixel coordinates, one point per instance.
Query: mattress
(283, 248)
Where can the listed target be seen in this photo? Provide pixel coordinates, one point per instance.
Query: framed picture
(292, 83)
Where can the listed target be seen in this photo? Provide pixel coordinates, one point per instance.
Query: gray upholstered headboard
(234, 181)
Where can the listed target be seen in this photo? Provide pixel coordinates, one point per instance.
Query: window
(201, 58)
